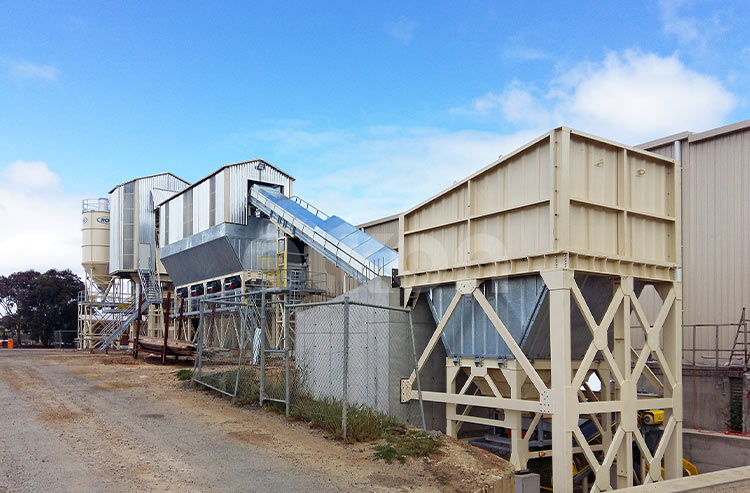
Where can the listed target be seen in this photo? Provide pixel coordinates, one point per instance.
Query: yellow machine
(651, 416)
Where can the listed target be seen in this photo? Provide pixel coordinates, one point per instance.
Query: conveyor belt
(349, 248)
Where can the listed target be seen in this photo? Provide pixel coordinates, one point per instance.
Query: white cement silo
(95, 241)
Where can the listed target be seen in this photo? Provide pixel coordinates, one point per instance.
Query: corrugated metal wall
(115, 229)
(132, 218)
(145, 210)
(239, 175)
(715, 233)
(235, 195)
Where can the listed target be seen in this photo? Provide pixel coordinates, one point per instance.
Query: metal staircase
(112, 330)
(150, 286)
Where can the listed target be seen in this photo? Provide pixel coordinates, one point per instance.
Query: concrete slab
(734, 480)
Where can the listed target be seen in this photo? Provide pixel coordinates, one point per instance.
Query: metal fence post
(262, 345)
(416, 372)
(198, 365)
(345, 390)
(243, 327)
(716, 346)
(286, 358)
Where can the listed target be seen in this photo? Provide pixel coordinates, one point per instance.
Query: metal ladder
(740, 347)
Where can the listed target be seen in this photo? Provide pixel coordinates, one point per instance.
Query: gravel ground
(71, 421)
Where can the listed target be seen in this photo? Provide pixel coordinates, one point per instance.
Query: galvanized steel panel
(239, 175)
(175, 219)
(115, 230)
(237, 195)
(201, 206)
(145, 207)
(221, 250)
(523, 306)
(219, 180)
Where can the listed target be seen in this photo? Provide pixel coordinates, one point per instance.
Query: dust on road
(78, 422)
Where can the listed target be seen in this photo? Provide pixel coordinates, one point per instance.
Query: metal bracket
(405, 390)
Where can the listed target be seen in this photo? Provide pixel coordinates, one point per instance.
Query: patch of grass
(362, 423)
(408, 443)
(184, 374)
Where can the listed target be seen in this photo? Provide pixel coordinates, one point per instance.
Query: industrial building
(552, 287)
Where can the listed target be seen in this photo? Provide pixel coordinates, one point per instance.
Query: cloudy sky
(373, 107)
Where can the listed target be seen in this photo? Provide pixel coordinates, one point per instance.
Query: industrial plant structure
(553, 278)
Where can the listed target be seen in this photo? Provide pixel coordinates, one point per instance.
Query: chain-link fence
(229, 345)
(344, 378)
(337, 372)
(65, 338)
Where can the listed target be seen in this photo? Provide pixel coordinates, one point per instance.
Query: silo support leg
(562, 400)
(672, 334)
(622, 354)
(451, 425)
(515, 376)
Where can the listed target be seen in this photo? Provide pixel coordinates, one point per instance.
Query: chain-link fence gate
(229, 345)
(334, 372)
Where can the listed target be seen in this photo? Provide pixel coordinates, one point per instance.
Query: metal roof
(161, 195)
(726, 129)
(382, 220)
(695, 137)
(257, 160)
(148, 176)
(664, 140)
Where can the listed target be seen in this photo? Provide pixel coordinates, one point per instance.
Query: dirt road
(72, 421)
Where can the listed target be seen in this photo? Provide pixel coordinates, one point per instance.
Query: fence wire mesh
(333, 372)
(229, 346)
(342, 377)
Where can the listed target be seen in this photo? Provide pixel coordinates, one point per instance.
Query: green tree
(14, 294)
(40, 303)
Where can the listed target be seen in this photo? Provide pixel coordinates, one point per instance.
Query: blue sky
(372, 106)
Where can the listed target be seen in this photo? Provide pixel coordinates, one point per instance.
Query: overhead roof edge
(149, 176)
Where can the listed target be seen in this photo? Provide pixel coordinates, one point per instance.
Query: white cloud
(515, 49)
(692, 26)
(41, 226)
(363, 174)
(383, 170)
(401, 30)
(684, 28)
(517, 105)
(629, 96)
(31, 174)
(22, 69)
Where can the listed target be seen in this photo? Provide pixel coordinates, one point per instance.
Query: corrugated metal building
(715, 233)
(205, 230)
(132, 219)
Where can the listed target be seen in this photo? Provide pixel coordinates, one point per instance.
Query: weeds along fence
(343, 378)
(334, 374)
